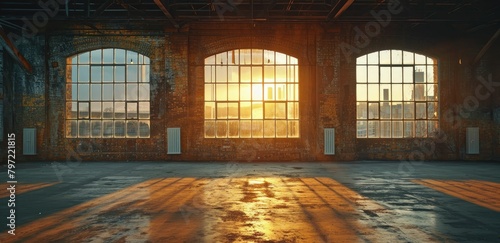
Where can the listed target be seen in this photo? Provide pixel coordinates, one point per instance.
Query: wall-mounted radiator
(174, 140)
(29, 141)
(329, 141)
(472, 140)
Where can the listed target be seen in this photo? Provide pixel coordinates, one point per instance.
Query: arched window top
(109, 56)
(394, 57)
(251, 57)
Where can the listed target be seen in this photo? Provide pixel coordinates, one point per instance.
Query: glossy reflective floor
(366, 201)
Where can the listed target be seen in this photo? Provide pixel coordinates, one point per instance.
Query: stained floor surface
(366, 201)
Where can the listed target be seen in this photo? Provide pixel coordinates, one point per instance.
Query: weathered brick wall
(327, 93)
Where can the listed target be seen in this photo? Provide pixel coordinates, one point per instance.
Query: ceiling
(461, 15)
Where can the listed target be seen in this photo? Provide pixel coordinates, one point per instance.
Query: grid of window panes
(108, 95)
(251, 93)
(397, 95)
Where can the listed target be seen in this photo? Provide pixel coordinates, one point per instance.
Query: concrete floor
(365, 201)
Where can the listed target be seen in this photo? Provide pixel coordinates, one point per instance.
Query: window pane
(245, 92)
(233, 74)
(119, 92)
(361, 127)
(245, 129)
(385, 57)
(269, 129)
(209, 110)
(144, 129)
(385, 110)
(269, 92)
(419, 59)
(385, 92)
(257, 56)
(281, 129)
(409, 110)
(257, 128)
(144, 110)
(385, 74)
(132, 57)
(232, 111)
(83, 58)
(373, 92)
(234, 128)
(293, 110)
(280, 74)
(419, 92)
(209, 92)
(397, 74)
(246, 74)
(256, 74)
(397, 129)
(221, 92)
(245, 110)
(95, 92)
(397, 92)
(257, 110)
(221, 129)
(83, 129)
(83, 92)
(431, 78)
(107, 92)
(95, 76)
(132, 73)
(83, 110)
(132, 92)
(119, 56)
(107, 56)
(144, 92)
(431, 93)
(373, 58)
(421, 129)
(361, 92)
(407, 57)
(119, 110)
(107, 110)
(71, 110)
(74, 74)
(221, 110)
(234, 92)
(71, 128)
(270, 111)
(408, 92)
(119, 129)
(208, 74)
(420, 112)
(293, 129)
(408, 75)
(132, 129)
(119, 74)
(361, 60)
(408, 129)
(373, 129)
(385, 129)
(291, 74)
(107, 74)
(245, 56)
(107, 129)
(131, 110)
(361, 110)
(280, 58)
(397, 57)
(95, 108)
(72, 91)
(221, 74)
(432, 128)
(280, 92)
(373, 111)
(209, 129)
(432, 110)
(397, 110)
(361, 73)
(373, 75)
(280, 110)
(269, 74)
(96, 127)
(256, 91)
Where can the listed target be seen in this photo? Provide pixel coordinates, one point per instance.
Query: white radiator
(29, 141)
(472, 140)
(174, 140)
(329, 141)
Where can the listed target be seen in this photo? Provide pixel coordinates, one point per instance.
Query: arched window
(107, 95)
(397, 95)
(251, 93)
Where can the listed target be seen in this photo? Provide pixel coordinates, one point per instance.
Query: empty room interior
(250, 121)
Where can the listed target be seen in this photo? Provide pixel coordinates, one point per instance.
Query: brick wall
(327, 93)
